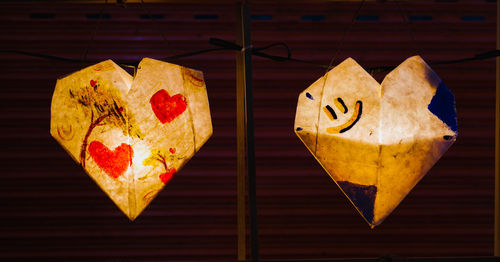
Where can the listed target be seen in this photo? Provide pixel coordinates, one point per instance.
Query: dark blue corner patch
(443, 106)
(362, 196)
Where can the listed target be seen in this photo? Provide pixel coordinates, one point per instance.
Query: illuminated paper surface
(376, 141)
(131, 135)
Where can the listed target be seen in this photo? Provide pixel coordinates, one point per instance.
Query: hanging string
(157, 24)
(95, 30)
(195, 53)
(339, 47)
(232, 46)
(227, 45)
(409, 25)
(129, 66)
(347, 30)
(257, 51)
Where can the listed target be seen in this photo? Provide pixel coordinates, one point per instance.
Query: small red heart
(93, 83)
(172, 150)
(166, 107)
(165, 177)
(115, 162)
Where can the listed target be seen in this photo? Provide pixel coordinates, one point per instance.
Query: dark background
(50, 209)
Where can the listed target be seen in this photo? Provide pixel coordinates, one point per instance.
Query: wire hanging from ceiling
(94, 32)
(221, 45)
(224, 45)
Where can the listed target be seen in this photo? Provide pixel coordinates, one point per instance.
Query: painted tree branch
(83, 151)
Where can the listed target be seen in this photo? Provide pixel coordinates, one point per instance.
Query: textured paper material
(131, 135)
(376, 141)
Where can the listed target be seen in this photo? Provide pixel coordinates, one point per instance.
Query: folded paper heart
(131, 134)
(376, 141)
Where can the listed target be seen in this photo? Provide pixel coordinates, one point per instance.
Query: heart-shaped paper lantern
(376, 141)
(130, 134)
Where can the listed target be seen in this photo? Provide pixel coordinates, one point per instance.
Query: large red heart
(115, 162)
(166, 107)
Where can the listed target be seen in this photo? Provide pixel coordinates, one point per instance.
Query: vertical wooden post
(497, 145)
(245, 135)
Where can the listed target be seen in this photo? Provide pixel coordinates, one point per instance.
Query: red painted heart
(172, 150)
(165, 177)
(166, 107)
(115, 162)
(93, 83)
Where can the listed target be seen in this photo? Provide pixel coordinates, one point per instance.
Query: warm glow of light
(131, 134)
(376, 141)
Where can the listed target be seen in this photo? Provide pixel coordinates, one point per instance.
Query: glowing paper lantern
(131, 135)
(376, 141)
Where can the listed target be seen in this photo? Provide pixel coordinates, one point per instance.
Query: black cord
(409, 25)
(155, 22)
(95, 30)
(227, 45)
(344, 35)
(203, 51)
(233, 46)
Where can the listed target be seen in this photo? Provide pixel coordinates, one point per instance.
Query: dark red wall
(51, 209)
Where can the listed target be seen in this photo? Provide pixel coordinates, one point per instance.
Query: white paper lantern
(131, 134)
(376, 141)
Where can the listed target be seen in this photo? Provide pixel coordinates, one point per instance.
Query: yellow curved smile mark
(358, 110)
